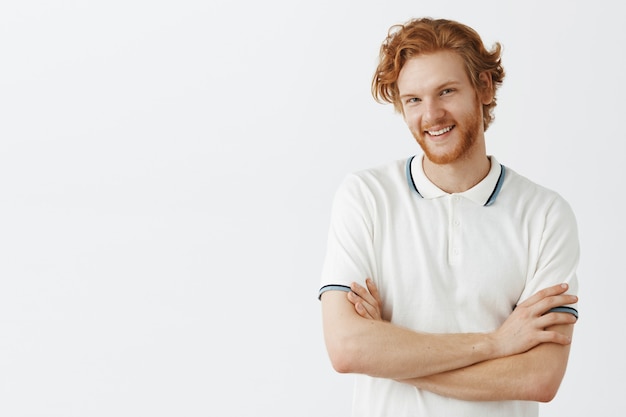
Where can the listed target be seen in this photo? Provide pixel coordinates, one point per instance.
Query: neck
(460, 175)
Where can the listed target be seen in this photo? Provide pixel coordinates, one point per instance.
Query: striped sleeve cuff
(332, 288)
(564, 309)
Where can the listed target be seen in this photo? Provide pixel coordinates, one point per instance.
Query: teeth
(439, 132)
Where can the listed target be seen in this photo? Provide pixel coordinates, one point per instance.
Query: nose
(433, 112)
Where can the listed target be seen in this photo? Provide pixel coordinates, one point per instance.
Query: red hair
(426, 35)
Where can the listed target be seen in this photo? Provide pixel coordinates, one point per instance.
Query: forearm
(382, 349)
(532, 376)
(373, 347)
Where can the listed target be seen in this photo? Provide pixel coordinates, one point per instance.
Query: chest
(452, 265)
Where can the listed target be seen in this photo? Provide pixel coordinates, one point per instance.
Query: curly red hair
(426, 35)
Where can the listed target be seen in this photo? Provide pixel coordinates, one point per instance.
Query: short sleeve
(349, 250)
(558, 253)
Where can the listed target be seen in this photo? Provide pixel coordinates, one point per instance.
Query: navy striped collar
(484, 193)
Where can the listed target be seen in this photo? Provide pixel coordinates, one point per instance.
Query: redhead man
(449, 284)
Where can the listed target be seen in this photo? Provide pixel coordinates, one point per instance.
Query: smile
(440, 132)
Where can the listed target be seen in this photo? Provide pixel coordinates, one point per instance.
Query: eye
(447, 91)
(413, 100)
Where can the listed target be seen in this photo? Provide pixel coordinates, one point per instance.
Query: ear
(486, 88)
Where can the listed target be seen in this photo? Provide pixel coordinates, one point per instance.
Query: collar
(483, 193)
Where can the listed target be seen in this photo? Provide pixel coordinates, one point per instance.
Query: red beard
(468, 130)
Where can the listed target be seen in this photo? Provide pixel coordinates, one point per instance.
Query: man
(449, 281)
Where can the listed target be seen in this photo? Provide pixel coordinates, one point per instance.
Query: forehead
(431, 71)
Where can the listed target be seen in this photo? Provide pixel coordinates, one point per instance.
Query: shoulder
(528, 188)
(522, 191)
(379, 178)
(370, 188)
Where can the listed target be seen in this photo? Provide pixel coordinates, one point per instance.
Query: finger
(366, 304)
(546, 292)
(551, 336)
(552, 319)
(354, 297)
(358, 303)
(362, 311)
(358, 289)
(373, 289)
(363, 293)
(547, 304)
(372, 311)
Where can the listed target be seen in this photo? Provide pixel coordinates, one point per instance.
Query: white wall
(166, 174)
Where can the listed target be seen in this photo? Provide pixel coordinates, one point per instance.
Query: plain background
(166, 175)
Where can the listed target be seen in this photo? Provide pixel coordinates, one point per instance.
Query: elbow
(545, 389)
(548, 370)
(546, 396)
(343, 358)
(340, 364)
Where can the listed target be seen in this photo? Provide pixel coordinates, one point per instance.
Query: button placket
(454, 236)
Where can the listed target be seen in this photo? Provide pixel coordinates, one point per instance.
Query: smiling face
(441, 107)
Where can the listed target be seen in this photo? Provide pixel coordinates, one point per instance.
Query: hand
(526, 327)
(366, 302)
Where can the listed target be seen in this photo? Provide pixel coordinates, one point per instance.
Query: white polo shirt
(446, 263)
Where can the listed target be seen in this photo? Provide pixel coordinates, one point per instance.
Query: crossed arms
(524, 359)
